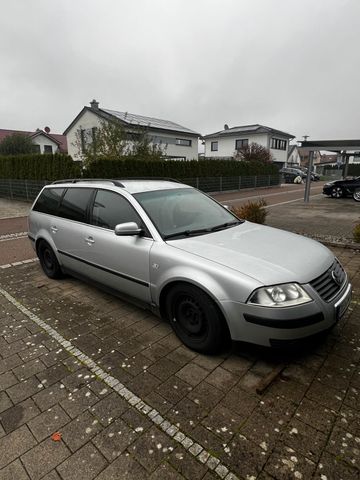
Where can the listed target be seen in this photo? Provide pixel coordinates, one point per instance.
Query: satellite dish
(47, 129)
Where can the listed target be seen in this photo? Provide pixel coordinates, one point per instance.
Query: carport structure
(341, 147)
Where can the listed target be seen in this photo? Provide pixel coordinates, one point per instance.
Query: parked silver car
(176, 250)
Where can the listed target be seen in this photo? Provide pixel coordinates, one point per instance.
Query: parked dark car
(343, 188)
(290, 174)
(314, 176)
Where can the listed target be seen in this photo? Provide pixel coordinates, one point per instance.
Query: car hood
(266, 254)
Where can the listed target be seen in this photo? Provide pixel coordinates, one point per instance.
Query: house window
(36, 148)
(183, 141)
(278, 144)
(239, 144)
(214, 146)
(48, 149)
(87, 137)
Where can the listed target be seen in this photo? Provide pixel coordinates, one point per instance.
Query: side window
(74, 203)
(49, 200)
(110, 208)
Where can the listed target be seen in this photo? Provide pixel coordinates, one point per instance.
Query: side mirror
(127, 229)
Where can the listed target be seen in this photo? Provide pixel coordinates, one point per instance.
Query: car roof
(130, 185)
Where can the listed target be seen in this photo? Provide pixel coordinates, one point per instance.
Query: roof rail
(117, 183)
(167, 179)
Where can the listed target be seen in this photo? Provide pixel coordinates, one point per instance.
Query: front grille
(330, 282)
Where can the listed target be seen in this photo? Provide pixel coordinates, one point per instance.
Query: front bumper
(269, 326)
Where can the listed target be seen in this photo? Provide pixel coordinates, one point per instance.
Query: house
(43, 140)
(293, 159)
(179, 142)
(226, 143)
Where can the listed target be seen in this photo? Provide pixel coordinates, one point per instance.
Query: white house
(228, 142)
(179, 142)
(294, 158)
(43, 140)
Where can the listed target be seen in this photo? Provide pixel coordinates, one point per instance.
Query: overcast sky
(292, 65)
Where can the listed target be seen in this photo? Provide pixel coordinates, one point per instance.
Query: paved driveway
(129, 401)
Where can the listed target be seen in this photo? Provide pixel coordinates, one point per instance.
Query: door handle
(53, 229)
(89, 240)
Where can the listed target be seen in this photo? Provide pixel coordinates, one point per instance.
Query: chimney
(226, 126)
(94, 105)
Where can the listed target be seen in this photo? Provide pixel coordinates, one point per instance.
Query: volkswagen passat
(212, 275)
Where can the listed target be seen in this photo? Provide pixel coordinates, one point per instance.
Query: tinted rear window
(74, 203)
(49, 200)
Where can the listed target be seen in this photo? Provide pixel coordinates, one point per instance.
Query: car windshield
(182, 212)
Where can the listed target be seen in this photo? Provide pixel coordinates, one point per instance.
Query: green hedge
(123, 168)
(39, 167)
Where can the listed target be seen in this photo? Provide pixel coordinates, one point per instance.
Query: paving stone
(53, 374)
(186, 465)
(325, 395)
(165, 471)
(47, 397)
(181, 355)
(80, 430)
(136, 420)
(14, 471)
(345, 446)
(29, 369)
(237, 397)
(192, 374)
(53, 475)
(304, 439)
(114, 439)
(206, 395)
(334, 468)
(15, 444)
(8, 349)
(5, 402)
(10, 363)
(51, 454)
(99, 388)
(85, 464)
(78, 379)
(55, 356)
(163, 368)
(151, 448)
(174, 389)
(16, 416)
(158, 402)
(222, 379)
(32, 352)
(23, 390)
(48, 422)
(349, 420)
(244, 457)
(186, 414)
(223, 422)
(352, 398)
(78, 402)
(123, 468)
(7, 380)
(316, 415)
(285, 463)
(288, 390)
(209, 362)
(143, 384)
(109, 408)
(299, 373)
(262, 430)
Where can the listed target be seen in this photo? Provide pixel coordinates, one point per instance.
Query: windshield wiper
(226, 225)
(187, 233)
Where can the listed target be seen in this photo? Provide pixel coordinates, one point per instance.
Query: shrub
(252, 211)
(356, 233)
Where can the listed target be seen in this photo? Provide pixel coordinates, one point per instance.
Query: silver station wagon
(177, 251)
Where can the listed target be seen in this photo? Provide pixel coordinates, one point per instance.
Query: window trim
(212, 149)
(242, 140)
(179, 144)
(276, 144)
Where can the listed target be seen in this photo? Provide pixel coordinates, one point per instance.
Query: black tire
(356, 195)
(337, 192)
(48, 260)
(196, 319)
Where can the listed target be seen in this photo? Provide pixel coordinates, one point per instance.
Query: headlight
(285, 295)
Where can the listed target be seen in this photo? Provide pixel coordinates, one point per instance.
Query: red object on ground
(56, 437)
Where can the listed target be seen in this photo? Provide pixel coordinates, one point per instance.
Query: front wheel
(196, 319)
(48, 260)
(356, 195)
(337, 192)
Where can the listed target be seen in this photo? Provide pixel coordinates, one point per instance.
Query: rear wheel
(337, 192)
(48, 260)
(356, 195)
(196, 319)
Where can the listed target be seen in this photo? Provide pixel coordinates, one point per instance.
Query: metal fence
(28, 189)
(21, 189)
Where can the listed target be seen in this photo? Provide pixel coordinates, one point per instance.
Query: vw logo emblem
(336, 277)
